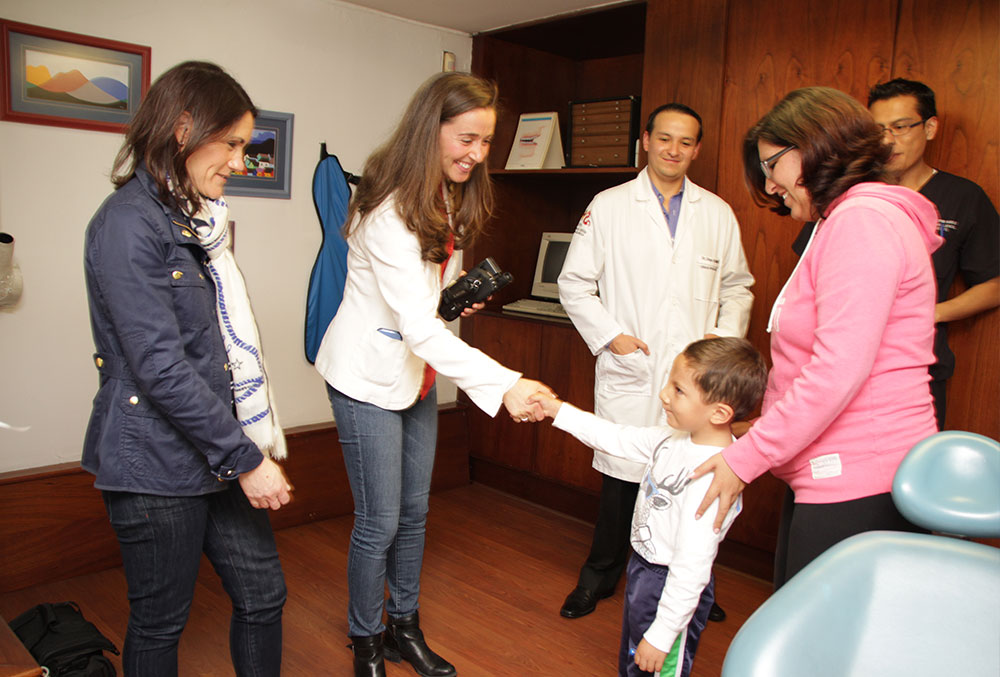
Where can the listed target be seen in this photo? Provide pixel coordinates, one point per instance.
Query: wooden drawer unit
(600, 156)
(603, 132)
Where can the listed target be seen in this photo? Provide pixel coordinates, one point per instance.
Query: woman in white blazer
(424, 193)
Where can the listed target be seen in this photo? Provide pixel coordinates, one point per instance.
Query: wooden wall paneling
(499, 438)
(757, 525)
(315, 467)
(684, 61)
(611, 30)
(55, 525)
(841, 43)
(531, 81)
(954, 49)
(526, 206)
(844, 44)
(606, 78)
(580, 191)
(974, 390)
(552, 494)
(568, 368)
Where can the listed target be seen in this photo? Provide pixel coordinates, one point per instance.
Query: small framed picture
(268, 159)
(52, 77)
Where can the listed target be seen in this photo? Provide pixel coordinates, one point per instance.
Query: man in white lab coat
(654, 264)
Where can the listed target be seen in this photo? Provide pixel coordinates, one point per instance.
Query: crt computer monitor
(551, 254)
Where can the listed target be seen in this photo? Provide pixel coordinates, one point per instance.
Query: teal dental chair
(888, 603)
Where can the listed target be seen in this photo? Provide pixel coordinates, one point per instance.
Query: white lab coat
(624, 274)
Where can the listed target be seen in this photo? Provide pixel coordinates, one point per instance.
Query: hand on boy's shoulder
(550, 405)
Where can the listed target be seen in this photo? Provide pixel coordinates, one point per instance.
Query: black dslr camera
(473, 287)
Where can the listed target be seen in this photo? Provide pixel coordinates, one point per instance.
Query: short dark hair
(924, 95)
(215, 102)
(840, 144)
(676, 108)
(728, 370)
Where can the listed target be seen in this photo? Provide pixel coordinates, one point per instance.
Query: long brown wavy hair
(213, 99)
(839, 142)
(408, 166)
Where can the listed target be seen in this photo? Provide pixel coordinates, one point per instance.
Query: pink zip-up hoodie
(851, 339)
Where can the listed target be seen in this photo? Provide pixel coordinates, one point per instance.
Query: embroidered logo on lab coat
(708, 263)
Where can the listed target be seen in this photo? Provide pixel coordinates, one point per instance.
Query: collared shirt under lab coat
(624, 274)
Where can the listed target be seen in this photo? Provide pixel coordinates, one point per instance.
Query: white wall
(345, 72)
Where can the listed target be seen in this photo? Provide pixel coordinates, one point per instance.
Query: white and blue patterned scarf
(252, 390)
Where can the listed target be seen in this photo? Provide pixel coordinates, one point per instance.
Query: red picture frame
(97, 84)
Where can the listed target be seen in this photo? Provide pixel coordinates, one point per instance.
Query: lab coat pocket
(382, 354)
(705, 279)
(629, 374)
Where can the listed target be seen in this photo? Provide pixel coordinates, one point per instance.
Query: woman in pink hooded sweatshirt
(851, 332)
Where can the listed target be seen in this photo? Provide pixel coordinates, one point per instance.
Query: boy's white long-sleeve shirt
(664, 530)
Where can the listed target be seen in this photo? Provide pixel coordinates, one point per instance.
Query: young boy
(668, 596)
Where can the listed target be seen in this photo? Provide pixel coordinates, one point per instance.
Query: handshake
(531, 400)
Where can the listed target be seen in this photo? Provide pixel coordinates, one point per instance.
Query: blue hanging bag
(331, 194)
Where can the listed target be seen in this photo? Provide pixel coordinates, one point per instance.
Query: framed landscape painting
(52, 77)
(268, 159)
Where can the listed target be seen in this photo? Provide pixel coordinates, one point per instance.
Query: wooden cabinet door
(568, 368)
(514, 344)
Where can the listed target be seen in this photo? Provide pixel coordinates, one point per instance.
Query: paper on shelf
(537, 143)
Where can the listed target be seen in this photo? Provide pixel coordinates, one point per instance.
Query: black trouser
(938, 394)
(610, 547)
(807, 530)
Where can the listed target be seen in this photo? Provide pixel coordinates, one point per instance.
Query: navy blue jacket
(163, 420)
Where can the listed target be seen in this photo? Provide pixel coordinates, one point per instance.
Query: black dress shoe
(368, 656)
(716, 613)
(581, 602)
(405, 641)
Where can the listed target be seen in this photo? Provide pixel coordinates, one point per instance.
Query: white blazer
(624, 274)
(387, 326)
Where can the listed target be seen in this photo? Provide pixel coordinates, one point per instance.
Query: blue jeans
(162, 539)
(389, 457)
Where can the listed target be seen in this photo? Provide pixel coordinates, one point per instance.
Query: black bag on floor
(62, 640)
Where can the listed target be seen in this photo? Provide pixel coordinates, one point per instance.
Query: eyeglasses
(900, 128)
(767, 165)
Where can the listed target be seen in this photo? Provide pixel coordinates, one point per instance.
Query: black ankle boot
(405, 641)
(368, 656)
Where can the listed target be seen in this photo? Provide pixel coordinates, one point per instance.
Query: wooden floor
(496, 570)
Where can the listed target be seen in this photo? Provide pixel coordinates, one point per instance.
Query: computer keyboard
(536, 307)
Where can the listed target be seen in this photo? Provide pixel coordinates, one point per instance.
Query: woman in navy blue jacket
(183, 426)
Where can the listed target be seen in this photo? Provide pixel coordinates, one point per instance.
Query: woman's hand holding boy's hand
(518, 403)
(549, 404)
(649, 658)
